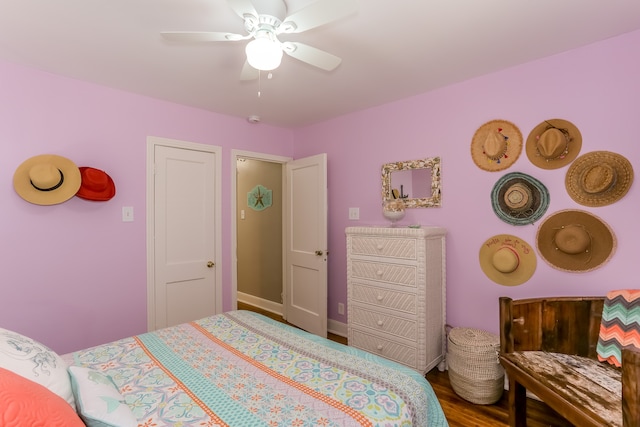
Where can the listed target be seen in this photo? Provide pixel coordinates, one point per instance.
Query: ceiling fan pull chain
(259, 83)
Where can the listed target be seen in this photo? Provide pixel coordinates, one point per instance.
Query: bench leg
(517, 404)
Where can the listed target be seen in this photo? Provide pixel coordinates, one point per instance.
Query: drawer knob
(379, 347)
(379, 247)
(380, 322)
(379, 272)
(379, 297)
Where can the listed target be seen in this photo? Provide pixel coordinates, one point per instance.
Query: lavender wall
(74, 274)
(595, 87)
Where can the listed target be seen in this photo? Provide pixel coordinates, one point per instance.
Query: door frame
(235, 154)
(152, 143)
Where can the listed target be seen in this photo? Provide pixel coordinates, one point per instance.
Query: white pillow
(98, 400)
(36, 362)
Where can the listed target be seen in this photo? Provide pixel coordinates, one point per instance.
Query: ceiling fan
(264, 21)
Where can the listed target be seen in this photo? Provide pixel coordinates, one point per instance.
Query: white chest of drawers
(396, 293)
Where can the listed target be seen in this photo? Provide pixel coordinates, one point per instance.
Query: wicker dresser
(396, 293)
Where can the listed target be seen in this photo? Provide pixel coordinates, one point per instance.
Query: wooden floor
(458, 411)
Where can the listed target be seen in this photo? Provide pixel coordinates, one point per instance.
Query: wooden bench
(548, 346)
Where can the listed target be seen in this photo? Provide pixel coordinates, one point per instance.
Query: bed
(243, 369)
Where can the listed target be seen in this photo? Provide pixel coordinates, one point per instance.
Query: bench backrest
(568, 325)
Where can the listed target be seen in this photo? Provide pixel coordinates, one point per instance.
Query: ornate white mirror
(417, 182)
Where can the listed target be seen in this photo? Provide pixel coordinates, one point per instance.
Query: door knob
(210, 264)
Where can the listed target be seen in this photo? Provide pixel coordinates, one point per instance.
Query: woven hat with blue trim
(519, 199)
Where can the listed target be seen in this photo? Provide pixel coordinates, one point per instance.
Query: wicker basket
(475, 372)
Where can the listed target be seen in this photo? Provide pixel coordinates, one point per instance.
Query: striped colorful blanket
(243, 369)
(620, 326)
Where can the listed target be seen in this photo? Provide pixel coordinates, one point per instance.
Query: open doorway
(257, 201)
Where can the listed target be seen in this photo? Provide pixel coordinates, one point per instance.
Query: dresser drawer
(381, 297)
(398, 274)
(383, 246)
(383, 323)
(383, 347)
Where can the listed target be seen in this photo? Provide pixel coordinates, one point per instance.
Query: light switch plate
(127, 214)
(354, 213)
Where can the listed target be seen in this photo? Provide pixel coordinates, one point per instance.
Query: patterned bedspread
(243, 369)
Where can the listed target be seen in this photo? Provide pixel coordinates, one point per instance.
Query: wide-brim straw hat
(553, 144)
(96, 185)
(496, 145)
(575, 241)
(519, 199)
(599, 178)
(507, 260)
(47, 179)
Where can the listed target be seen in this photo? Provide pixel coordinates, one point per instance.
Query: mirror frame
(432, 163)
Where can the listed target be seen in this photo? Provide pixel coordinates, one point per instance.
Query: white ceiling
(391, 49)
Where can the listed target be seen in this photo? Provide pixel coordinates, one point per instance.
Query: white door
(305, 293)
(185, 245)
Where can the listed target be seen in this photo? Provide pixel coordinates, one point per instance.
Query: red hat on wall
(96, 185)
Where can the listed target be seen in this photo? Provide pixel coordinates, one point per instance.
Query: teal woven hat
(519, 199)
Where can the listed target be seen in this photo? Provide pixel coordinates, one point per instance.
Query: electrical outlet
(354, 213)
(340, 308)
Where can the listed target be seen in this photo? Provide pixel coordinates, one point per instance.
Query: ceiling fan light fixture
(264, 54)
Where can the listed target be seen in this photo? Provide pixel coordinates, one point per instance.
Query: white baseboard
(270, 306)
(333, 326)
(337, 328)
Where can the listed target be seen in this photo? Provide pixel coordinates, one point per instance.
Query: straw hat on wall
(575, 241)
(553, 144)
(496, 145)
(599, 178)
(47, 179)
(507, 260)
(519, 199)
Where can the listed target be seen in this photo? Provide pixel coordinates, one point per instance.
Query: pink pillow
(26, 403)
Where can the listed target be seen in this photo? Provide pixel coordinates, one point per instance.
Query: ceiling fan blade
(311, 55)
(248, 72)
(243, 7)
(201, 36)
(316, 14)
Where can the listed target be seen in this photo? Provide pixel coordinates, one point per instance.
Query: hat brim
(624, 178)
(97, 196)
(22, 183)
(526, 255)
(539, 192)
(575, 145)
(603, 241)
(514, 147)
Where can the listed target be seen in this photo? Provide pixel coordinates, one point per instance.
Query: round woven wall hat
(96, 185)
(599, 178)
(553, 144)
(507, 260)
(46, 179)
(519, 199)
(575, 241)
(496, 145)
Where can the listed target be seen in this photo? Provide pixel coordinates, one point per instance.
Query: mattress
(243, 369)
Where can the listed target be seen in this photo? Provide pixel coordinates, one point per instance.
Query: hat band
(58, 185)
